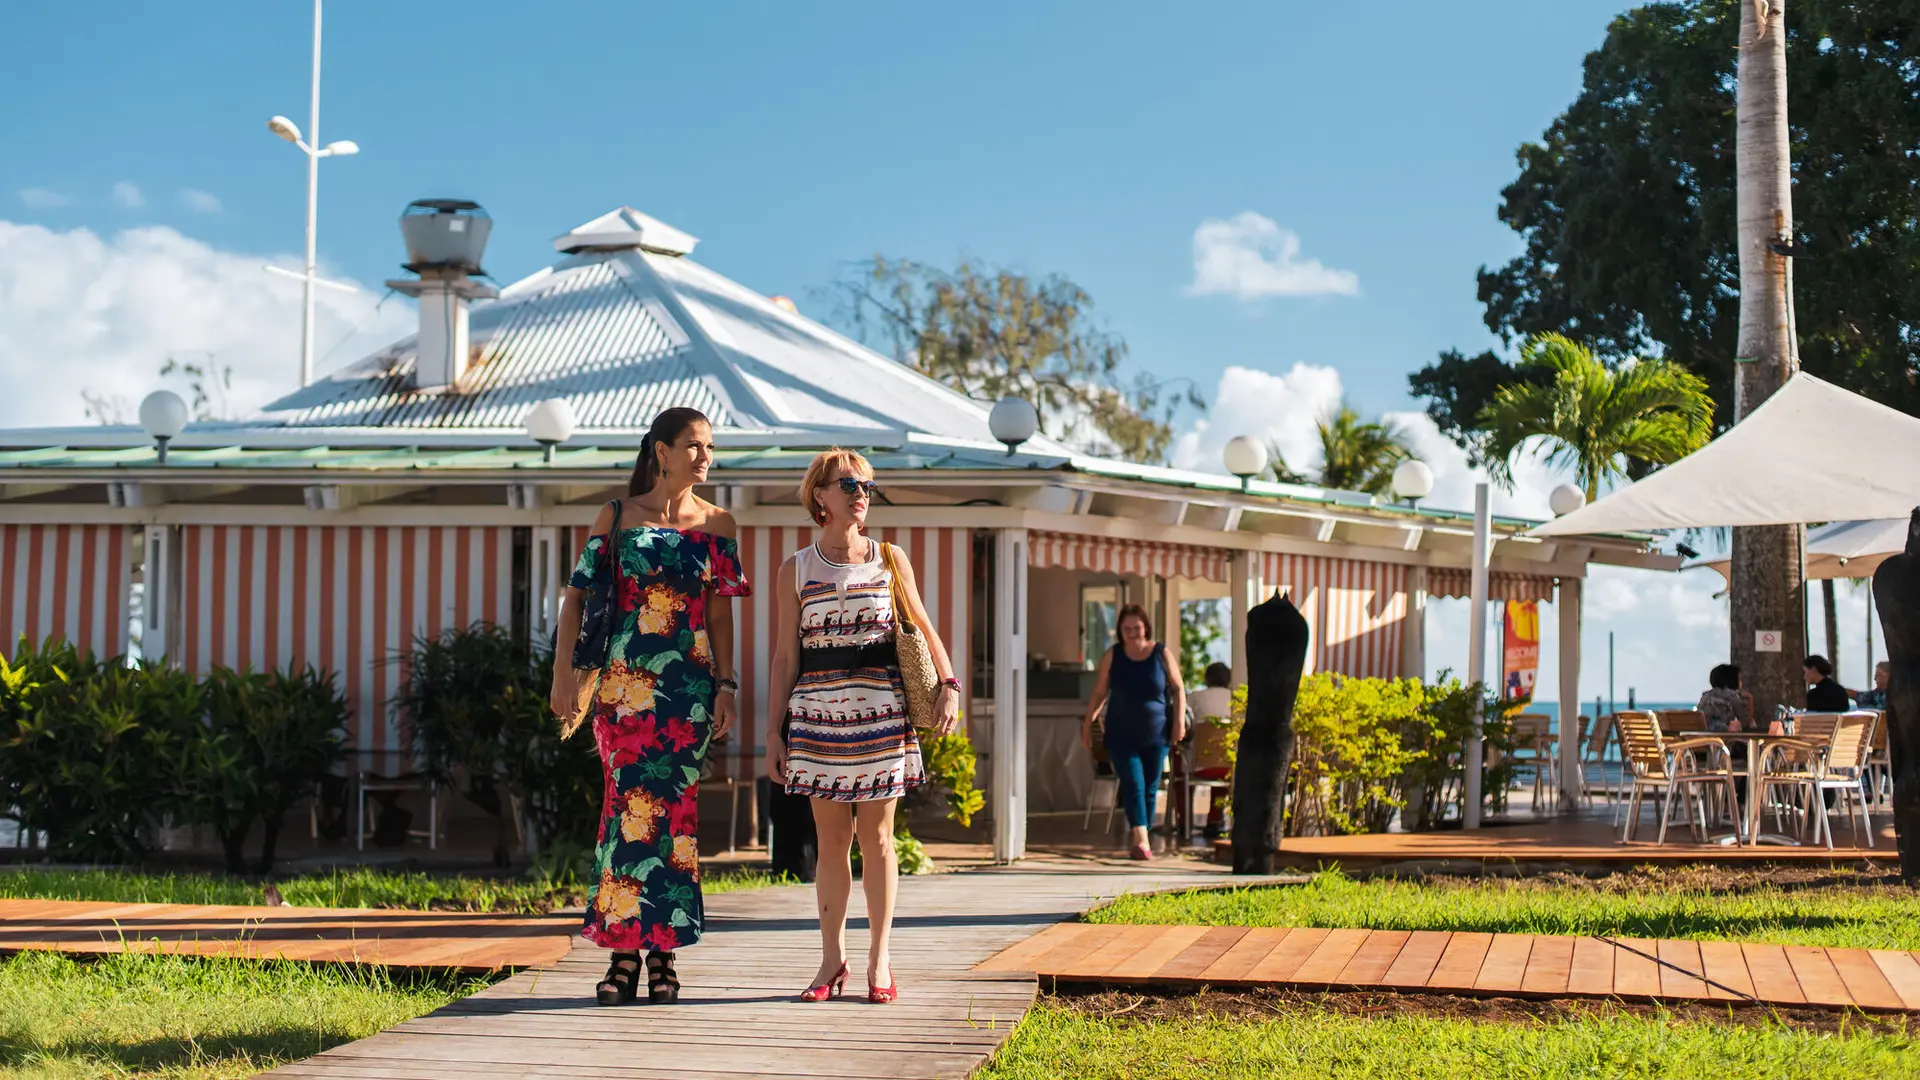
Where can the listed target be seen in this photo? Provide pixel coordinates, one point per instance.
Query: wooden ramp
(738, 1015)
(432, 939)
(1524, 965)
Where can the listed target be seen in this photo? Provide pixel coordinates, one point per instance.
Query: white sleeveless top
(843, 603)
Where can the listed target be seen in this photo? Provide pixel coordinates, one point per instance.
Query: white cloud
(41, 198)
(1279, 410)
(127, 194)
(80, 311)
(1249, 257)
(200, 202)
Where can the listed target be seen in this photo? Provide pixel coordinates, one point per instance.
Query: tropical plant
(1601, 422)
(991, 333)
(1355, 454)
(474, 705)
(1432, 781)
(1350, 752)
(268, 738)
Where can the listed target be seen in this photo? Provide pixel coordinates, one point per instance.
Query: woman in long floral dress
(667, 692)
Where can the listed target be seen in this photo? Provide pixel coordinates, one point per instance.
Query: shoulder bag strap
(901, 611)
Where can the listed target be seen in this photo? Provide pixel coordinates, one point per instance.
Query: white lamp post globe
(550, 423)
(1565, 499)
(1013, 421)
(341, 148)
(1412, 480)
(162, 416)
(1244, 456)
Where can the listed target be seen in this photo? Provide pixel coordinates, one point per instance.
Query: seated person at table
(1213, 739)
(1876, 698)
(1823, 693)
(1724, 706)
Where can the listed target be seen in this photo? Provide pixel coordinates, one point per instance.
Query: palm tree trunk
(1767, 592)
(1833, 627)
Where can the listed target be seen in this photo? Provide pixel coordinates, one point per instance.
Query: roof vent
(445, 239)
(626, 229)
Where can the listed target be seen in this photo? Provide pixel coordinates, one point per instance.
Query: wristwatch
(954, 684)
(724, 684)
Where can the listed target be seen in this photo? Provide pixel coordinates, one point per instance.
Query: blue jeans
(1138, 768)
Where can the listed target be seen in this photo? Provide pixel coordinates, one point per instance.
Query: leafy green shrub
(474, 705)
(951, 764)
(1437, 770)
(77, 751)
(268, 739)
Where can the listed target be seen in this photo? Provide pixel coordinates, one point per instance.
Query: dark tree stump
(1277, 639)
(1896, 592)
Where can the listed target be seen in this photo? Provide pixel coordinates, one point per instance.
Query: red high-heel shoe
(881, 995)
(832, 988)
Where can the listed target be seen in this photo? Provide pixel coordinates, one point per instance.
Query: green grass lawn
(163, 1016)
(1057, 1041)
(353, 888)
(1648, 904)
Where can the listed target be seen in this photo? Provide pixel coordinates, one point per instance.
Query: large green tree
(1625, 207)
(990, 333)
(1603, 423)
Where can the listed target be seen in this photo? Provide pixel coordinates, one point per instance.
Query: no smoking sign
(1766, 641)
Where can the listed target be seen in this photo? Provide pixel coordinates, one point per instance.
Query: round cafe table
(1756, 753)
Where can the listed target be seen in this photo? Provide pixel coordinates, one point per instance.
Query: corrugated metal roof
(578, 333)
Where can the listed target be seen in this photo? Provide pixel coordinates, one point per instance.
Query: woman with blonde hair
(668, 561)
(838, 728)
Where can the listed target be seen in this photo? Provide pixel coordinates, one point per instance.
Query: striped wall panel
(1355, 609)
(942, 561)
(344, 599)
(67, 581)
(1117, 556)
(1501, 584)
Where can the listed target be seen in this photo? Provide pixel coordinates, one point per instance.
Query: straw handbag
(922, 679)
(595, 645)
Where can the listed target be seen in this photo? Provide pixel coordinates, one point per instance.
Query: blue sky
(140, 190)
(1085, 139)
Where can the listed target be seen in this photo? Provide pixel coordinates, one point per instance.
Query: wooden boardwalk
(738, 1015)
(432, 939)
(1526, 965)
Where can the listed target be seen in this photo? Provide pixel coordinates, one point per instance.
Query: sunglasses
(851, 486)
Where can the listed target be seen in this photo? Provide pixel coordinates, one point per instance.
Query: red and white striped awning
(1107, 554)
(1446, 581)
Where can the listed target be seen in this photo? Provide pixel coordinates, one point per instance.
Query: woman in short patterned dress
(668, 690)
(838, 728)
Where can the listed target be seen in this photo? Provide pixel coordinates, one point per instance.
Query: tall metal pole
(1477, 648)
(313, 207)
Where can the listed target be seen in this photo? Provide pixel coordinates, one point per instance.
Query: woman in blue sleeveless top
(1146, 704)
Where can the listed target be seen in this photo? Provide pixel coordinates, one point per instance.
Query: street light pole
(313, 208)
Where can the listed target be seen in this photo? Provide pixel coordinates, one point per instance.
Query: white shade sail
(1812, 453)
(1844, 549)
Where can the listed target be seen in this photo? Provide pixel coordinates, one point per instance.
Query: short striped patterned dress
(848, 738)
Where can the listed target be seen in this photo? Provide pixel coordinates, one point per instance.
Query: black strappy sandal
(663, 984)
(622, 981)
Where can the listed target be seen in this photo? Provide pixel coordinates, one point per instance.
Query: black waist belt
(880, 654)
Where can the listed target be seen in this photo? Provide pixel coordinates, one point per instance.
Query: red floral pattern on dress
(652, 720)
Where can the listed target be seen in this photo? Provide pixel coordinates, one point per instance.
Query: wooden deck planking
(1591, 969)
(965, 949)
(1196, 958)
(1506, 963)
(1726, 971)
(1818, 979)
(1865, 984)
(1286, 957)
(1636, 972)
(1680, 971)
(1902, 972)
(1417, 959)
(1460, 964)
(1141, 965)
(1548, 966)
(1323, 967)
(1237, 962)
(1374, 958)
(1773, 977)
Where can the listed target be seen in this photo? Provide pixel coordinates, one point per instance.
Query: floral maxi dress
(652, 720)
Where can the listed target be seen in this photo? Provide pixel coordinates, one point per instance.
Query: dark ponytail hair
(667, 429)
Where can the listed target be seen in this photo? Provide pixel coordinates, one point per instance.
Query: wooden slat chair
(1533, 747)
(1796, 764)
(1652, 762)
(1846, 771)
(1679, 721)
(1595, 735)
(1880, 765)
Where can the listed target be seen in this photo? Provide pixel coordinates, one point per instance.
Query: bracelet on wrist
(723, 684)
(952, 683)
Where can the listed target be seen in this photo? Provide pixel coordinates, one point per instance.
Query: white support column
(1413, 628)
(1571, 782)
(1477, 647)
(548, 579)
(1243, 595)
(157, 574)
(1009, 792)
